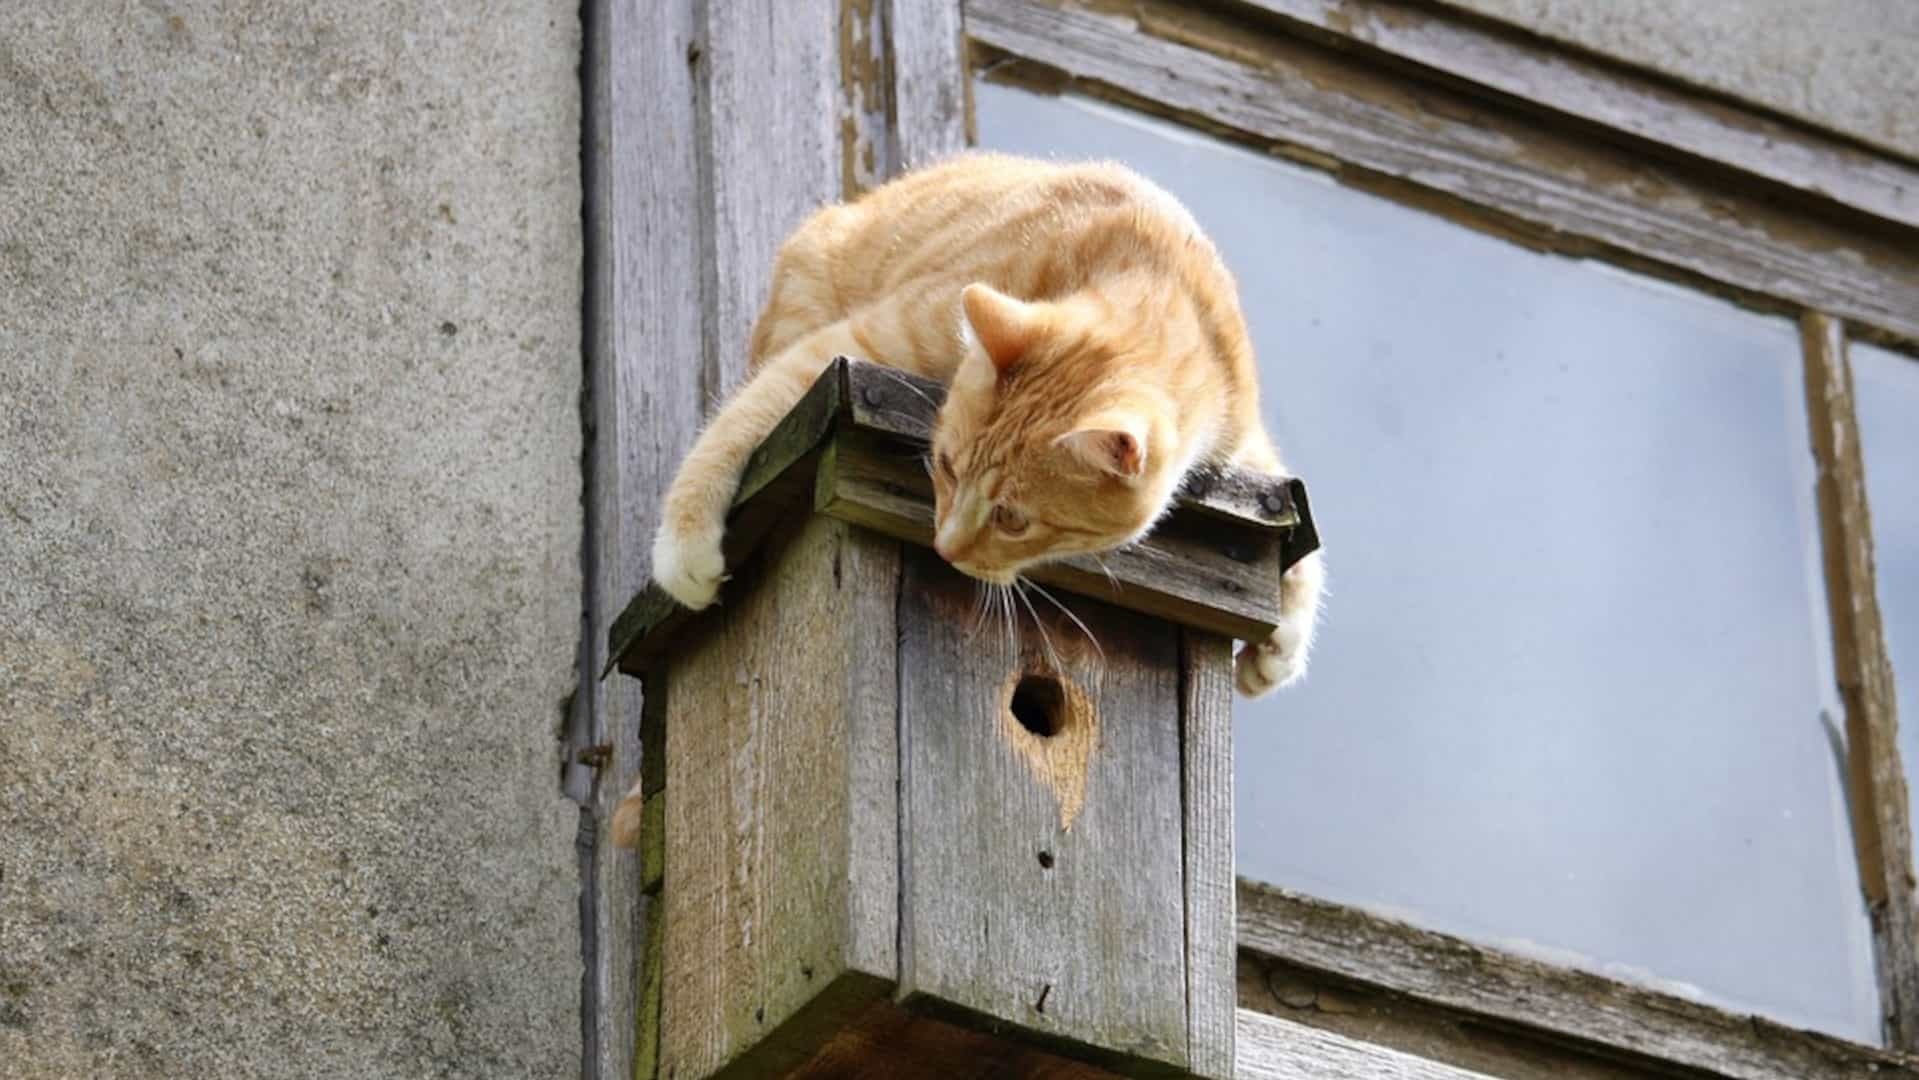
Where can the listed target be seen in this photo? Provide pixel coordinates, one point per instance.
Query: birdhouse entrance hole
(1039, 704)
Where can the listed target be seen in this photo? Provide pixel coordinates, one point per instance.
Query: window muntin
(1886, 397)
(1574, 693)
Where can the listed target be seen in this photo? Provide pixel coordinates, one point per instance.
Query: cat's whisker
(992, 608)
(1008, 622)
(998, 614)
(1111, 579)
(981, 594)
(1068, 612)
(1038, 624)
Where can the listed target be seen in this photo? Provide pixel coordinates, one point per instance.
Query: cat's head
(1044, 449)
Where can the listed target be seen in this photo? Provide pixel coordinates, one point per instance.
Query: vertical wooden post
(685, 205)
(1212, 924)
(644, 242)
(1881, 821)
(929, 88)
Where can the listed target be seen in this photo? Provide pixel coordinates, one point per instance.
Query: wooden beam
(644, 238)
(1274, 1049)
(1881, 822)
(1593, 91)
(929, 83)
(779, 65)
(1205, 574)
(1490, 987)
(865, 121)
(1383, 1018)
(1206, 742)
(1554, 189)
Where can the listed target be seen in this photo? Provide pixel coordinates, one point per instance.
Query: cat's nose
(946, 540)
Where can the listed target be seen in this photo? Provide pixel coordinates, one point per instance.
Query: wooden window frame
(1473, 121)
(1741, 204)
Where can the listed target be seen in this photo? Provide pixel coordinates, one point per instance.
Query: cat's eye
(1008, 520)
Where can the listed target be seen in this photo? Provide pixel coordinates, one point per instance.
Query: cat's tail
(626, 818)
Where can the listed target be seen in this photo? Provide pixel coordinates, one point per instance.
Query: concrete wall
(1848, 65)
(289, 522)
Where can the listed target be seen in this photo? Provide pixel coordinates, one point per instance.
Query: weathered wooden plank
(1881, 825)
(1550, 187)
(1041, 880)
(1496, 988)
(772, 82)
(1274, 1049)
(866, 573)
(643, 258)
(652, 847)
(866, 133)
(1396, 1021)
(645, 1018)
(781, 814)
(929, 81)
(1592, 90)
(1206, 746)
(1187, 573)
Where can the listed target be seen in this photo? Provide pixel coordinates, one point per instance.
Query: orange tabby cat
(1093, 345)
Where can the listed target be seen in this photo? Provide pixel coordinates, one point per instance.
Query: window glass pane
(1886, 388)
(1574, 692)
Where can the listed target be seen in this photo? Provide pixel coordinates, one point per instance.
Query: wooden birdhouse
(889, 829)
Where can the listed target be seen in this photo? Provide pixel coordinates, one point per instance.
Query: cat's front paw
(687, 562)
(1263, 666)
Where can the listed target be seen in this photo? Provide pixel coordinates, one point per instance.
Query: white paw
(688, 564)
(1263, 666)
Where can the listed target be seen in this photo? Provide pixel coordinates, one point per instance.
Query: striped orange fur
(1093, 344)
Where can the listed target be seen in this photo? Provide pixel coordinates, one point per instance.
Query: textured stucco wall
(1848, 65)
(289, 518)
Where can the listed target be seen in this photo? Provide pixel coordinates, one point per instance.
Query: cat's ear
(1003, 326)
(1116, 445)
